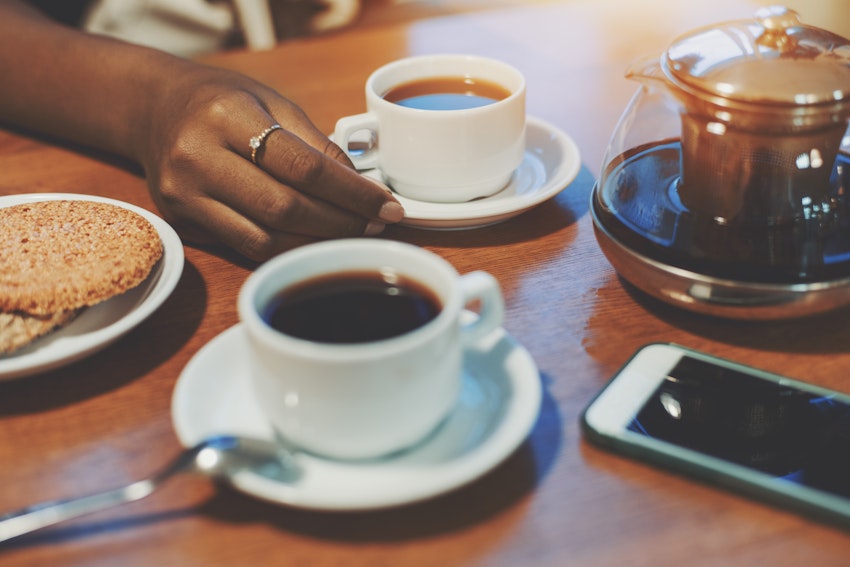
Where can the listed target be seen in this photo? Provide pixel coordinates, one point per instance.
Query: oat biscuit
(62, 255)
(19, 329)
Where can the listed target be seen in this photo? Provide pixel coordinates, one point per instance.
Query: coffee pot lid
(772, 59)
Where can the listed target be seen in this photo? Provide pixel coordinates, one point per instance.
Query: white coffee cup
(367, 399)
(447, 156)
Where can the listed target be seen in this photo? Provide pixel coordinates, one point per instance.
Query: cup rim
(259, 329)
(377, 98)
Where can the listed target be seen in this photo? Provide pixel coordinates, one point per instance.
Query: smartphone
(780, 440)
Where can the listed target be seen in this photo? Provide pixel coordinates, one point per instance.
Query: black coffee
(352, 307)
(446, 93)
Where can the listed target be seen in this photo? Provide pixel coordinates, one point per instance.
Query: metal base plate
(715, 296)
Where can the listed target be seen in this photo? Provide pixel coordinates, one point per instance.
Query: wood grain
(557, 501)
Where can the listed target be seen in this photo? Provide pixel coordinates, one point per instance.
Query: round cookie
(61, 255)
(19, 329)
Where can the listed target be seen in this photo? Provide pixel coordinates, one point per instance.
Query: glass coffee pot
(725, 185)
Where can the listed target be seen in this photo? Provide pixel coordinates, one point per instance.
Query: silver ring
(257, 142)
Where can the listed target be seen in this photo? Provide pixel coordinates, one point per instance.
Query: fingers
(317, 167)
(278, 206)
(295, 185)
(247, 209)
(226, 226)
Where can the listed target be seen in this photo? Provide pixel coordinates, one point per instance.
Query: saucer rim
(59, 350)
(521, 410)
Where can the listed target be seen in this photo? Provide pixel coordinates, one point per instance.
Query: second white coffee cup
(453, 155)
(355, 400)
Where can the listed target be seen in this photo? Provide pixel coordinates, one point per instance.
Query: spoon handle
(45, 514)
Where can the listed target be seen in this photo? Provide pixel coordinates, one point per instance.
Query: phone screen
(789, 434)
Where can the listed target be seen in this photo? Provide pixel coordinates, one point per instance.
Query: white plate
(550, 164)
(100, 325)
(499, 403)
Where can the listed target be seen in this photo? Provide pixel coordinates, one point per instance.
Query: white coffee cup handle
(482, 287)
(346, 127)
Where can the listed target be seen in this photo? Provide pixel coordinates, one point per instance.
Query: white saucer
(98, 326)
(551, 163)
(499, 404)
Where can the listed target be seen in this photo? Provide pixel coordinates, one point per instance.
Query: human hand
(198, 163)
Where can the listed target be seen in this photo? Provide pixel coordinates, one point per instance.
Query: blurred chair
(256, 22)
(192, 27)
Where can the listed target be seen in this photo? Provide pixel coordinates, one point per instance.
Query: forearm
(188, 126)
(78, 86)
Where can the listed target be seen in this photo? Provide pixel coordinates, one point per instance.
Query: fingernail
(373, 228)
(391, 212)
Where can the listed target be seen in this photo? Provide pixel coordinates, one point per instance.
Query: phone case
(717, 472)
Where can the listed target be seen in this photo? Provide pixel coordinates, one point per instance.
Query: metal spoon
(218, 457)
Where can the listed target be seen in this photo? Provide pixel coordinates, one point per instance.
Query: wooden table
(557, 501)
